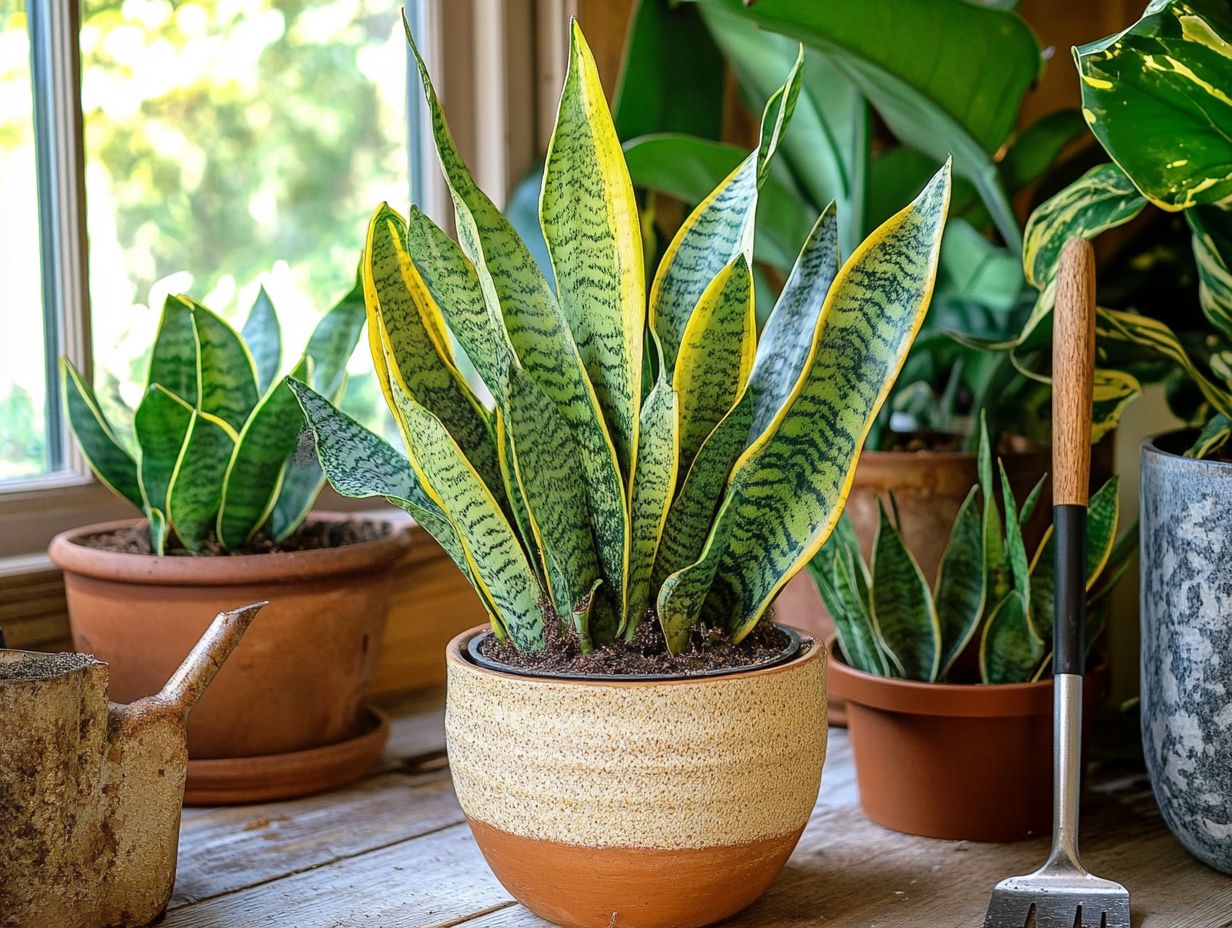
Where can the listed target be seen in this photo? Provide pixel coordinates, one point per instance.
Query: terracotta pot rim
(951, 700)
(455, 655)
(68, 554)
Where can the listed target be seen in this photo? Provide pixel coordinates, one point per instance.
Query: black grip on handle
(1069, 528)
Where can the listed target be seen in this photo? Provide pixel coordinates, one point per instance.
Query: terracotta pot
(296, 682)
(958, 761)
(648, 804)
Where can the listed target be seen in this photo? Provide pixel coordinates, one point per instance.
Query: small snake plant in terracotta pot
(941, 751)
(632, 741)
(211, 457)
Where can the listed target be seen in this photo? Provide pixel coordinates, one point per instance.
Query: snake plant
(890, 622)
(211, 456)
(645, 453)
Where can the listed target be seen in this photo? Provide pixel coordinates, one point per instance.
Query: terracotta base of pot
(239, 780)
(596, 887)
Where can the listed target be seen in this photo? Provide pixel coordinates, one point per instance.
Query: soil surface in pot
(645, 654)
(314, 534)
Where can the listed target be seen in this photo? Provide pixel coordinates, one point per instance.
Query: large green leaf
(196, 486)
(716, 356)
(514, 288)
(903, 611)
(961, 587)
(671, 74)
(1156, 96)
(1010, 651)
(173, 359)
(720, 228)
(254, 475)
(1212, 250)
(109, 460)
(263, 337)
(160, 425)
(228, 379)
(590, 223)
(654, 481)
(790, 484)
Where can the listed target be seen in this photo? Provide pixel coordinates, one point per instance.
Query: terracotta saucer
(240, 780)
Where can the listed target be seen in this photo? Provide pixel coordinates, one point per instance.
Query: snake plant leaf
(654, 481)
(451, 280)
(719, 228)
(1030, 504)
(1015, 547)
(683, 594)
(590, 223)
(554, 495)
(254, 474)
(1103, 516)
(716, 355)
(160, 425)
(196, 487)
(416, 342)
(961, 589)
(792, 481)
(159, 531)
(109, 460)
(788, 335)
(1155, 95)
(514, 286)
(903, 612)
(1212, 250)
(849, 611)
(263, 336)
(513, 493)
(225, 368)
(1010, 651)
(1040, 607)
(994, 542)
(173, 360)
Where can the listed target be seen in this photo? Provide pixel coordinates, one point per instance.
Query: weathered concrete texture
(1187, 647)
(90, 791)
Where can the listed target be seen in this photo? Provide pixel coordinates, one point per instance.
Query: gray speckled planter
(1186, 510)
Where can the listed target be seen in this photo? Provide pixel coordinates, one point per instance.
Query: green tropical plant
(212, 454)
(1155, 97)
(890, 623)
(645, 453)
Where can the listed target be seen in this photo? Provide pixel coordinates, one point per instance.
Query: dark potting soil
(645, 654)
(43, 666)
(312, 535)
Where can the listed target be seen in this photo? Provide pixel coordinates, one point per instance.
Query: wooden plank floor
(394, 852)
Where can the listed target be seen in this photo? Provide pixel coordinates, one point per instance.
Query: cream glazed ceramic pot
(647, 804)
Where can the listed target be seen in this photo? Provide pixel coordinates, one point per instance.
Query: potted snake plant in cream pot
(632, 740)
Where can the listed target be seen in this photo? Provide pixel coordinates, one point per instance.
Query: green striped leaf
(1043, 571)
(683, 594)
(590, 224)
(1010, 651)
(833, 575)
(254, 473)
(513, 493)
(1214, 436)
(790, 484)
(227, 377)
(1015, 547)
(1155, 95)
(1112, 391)
(791, 329)
(1212, 249)
(555, 498)
(263, 336)
(500, 568)
(903, 611)
(195, 490)
(654, 480)
(160, 425)
(173, 359)
(1103, 517)
(514, 287)
(995, 562)
(159, 531)
(960, 589)
(719, 229)
(109, 460)
(716, 355)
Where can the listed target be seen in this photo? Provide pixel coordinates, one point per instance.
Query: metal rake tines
(1058, 900)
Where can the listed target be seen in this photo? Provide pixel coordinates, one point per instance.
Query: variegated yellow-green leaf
(903, 611)
(790, 484)
(173, 359)
(497, 562)
(788, 336)
(1212, 248)
(1103, 517)
(684, 593)
(717, 230)
(960, 590)
(1010, 652)
(254, 474)
(513, 493)
(1113, 390)
(109, 460)
(224, 368)
(1043, 572)
(1156, 96)
(555, 497)
(195, 490)
(262, 335)
(1015, 547)
(654, 480)
(160, 425)
(159, 531)
(716, 355)
(513, 286)
(590, 224)
(834, 577)
(1214, 436)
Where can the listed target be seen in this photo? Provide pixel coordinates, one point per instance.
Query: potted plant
(632, 740)
(210, 457)
(1155, 98)
(939, 752)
